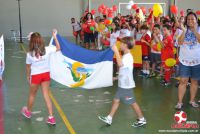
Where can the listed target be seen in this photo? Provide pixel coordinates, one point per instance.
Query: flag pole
(89, 5)
(20, 22)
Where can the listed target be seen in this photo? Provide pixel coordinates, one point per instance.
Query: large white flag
(75, 66)
(2, 63)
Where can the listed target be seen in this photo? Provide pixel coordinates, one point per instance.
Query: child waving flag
(38, 73)
(126, 83)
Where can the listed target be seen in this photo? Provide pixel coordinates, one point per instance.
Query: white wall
(110, 3)
(43, 15)
(39, 15)
(191, 4)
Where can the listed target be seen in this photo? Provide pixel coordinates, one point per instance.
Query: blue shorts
(155, 57)
(145, 58)
(189, 71)
(125, 95)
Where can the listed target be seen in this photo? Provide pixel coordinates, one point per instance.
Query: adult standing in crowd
(89, 29)
(189, 58)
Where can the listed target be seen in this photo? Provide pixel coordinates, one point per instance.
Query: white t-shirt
(76, 26)
(125, 79)
(41, 64)
(124, 33)
(138, 36)
(133, 32)
(149, 33)
(190, 50)
(113, 37)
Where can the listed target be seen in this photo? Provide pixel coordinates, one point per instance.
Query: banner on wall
(2, 63)
(77, 67)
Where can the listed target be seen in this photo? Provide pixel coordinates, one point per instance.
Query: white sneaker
(105, 119)
(194, 104)
(139, 123)
(179, 106)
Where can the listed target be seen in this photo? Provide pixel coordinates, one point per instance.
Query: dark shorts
(89, 37)
(155, 58)
(189, 71)
(96, 35)
(145, 58)
(125, 95)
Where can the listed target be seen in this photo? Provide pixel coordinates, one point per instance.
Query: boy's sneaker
(152, 75)
(105, 119)
(165, 83)
(159, 76)
(179, 106)
(146, 76)
(51, 121)
(162, 81)
(141, 74)
(26, 113)
(139, 123)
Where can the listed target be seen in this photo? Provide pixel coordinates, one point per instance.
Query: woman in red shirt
(88, 28)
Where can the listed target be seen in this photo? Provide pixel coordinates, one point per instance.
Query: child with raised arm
(126, 83)
(38, 73)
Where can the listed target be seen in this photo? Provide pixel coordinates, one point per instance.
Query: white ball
(180, 117)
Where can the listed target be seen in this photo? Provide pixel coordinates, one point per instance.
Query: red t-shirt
(145, 47)
(167, 50)
(89, 24)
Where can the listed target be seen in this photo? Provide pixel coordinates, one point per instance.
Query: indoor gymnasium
(99, 66)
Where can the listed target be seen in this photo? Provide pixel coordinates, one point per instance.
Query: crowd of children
(157, 37)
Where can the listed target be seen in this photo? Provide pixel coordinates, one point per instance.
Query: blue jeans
(189, 71)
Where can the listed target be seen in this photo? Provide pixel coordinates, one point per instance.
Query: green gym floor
(82, 107)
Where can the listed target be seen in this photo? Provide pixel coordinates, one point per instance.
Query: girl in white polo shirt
(38, 73)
